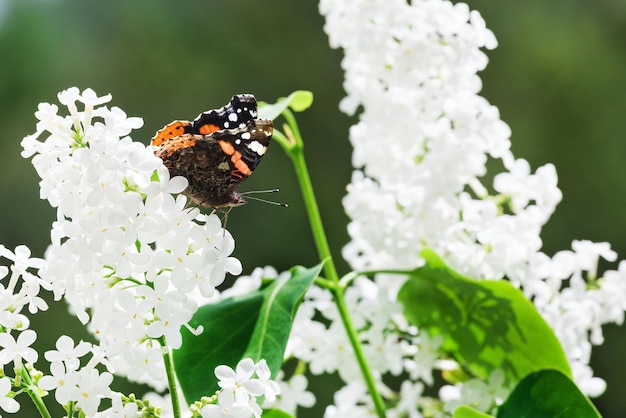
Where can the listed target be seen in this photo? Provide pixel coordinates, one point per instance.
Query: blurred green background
(558, 77)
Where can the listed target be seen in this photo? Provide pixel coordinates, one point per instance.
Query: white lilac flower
(62, 381)
(270, 387)
(351, 400)
(307, 340)
(335, 354)
(15, 350)
(247, 284)
(148, 361)
(10, 316)
(384, 352)
(22, 261)
(239, 380)
(120, 409)
(422, 356)
(410, 394)
(22, 288)
(72, 381)
(124, 253)
(67, 353)
(7, 403)
(238, 396)
(92, 386)
(293, 393)
(477, 393)
(226, 407)
(421, 148)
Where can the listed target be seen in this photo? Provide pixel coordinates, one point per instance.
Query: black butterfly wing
(236, 114)
(215, 165)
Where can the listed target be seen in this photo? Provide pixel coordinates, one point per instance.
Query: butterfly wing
(172, 130)
(215, 165)
(236, 114)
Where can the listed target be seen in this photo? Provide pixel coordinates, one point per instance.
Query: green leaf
(281, 299)
(228, 325)
(465, 411)
(486, 324)
(255, 325)
(298, 101)
(276, 413)
(547, 394)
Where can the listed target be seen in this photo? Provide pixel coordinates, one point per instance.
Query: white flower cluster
(84, 384)
(577, 312)
(239, 393)
(18, 290)
(125, 254)
(421, 148)
(424, 138)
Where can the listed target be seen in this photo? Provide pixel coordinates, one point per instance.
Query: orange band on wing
(171, 146)
(227, 147)
(208, 128)
(241, 168)
(170, 131)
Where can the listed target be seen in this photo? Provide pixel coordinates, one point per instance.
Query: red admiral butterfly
(217, 151)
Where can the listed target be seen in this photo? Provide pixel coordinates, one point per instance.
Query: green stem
(353, 336)
(171, 377)
(317, 228)
(35, 395)
(326, 284)
(319, 236)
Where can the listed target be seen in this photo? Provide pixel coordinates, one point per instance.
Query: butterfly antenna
(260, 191)
(247, 194)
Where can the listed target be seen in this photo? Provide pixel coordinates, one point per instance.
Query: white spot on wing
(257, 147)
(232, 117)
